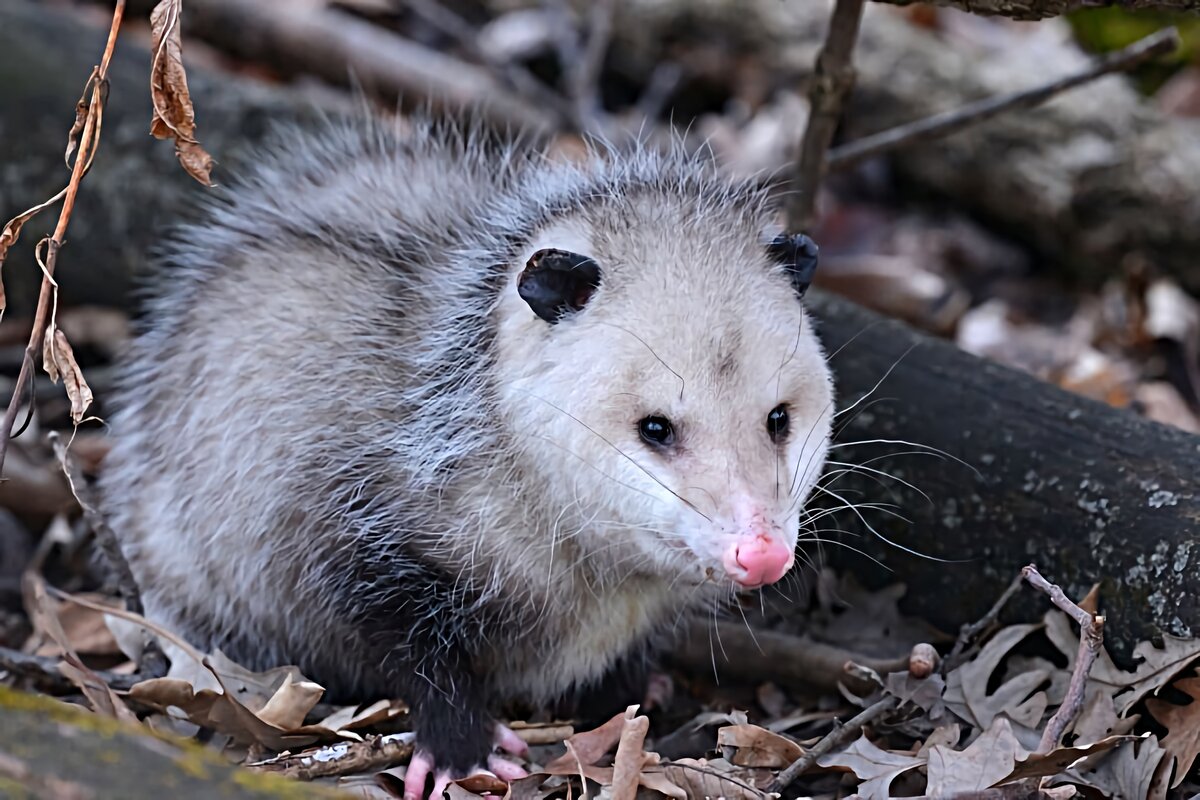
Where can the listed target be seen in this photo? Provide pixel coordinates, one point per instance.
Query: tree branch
(944, 124)
(832, 81)
(1041, 9)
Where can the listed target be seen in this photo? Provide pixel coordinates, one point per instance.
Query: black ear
(555, 283)
(798, 255)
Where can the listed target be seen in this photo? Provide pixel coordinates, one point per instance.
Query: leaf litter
(977, 728)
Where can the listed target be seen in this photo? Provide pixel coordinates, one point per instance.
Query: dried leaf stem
(832, 80)
(835, 738)
(88, 141)
(939, 125)
(1091, 640)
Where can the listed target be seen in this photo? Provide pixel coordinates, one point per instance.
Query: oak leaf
(174, 117)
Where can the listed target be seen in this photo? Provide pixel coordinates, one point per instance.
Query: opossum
(440, 417)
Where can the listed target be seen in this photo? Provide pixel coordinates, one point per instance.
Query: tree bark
(1041, 9)
(1032, 473)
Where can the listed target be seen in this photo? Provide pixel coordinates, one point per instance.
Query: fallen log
(1041, 9)
(1029, 473)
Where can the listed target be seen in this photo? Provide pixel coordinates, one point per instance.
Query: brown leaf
(81, 112)
(59, 362)
(990, 758)
(174, 117)
(1054, 762)
(627, 765)
(713, 778)
(876, 768)
(85, 628)
(43, 612)
(588, 747)
(752, 746)
(1156, 666)
(1182, 741)
(1131, 771)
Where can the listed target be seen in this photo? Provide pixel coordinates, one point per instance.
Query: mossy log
(53, 751)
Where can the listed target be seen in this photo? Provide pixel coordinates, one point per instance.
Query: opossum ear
(555, 283)
(798, 255)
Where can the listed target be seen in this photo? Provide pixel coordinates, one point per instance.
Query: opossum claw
(506, 770)
(509, 742)
(422, 766)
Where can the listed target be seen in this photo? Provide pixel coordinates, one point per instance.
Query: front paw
(425, 764)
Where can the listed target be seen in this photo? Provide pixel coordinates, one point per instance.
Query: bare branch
(1156, 44)
(835, 738)
(89, 140)
(832, 80)
(1041, 9)
(1091, 640)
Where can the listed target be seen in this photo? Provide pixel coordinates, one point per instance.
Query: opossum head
(666, 386)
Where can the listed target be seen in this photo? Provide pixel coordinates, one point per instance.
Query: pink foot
(422, 766)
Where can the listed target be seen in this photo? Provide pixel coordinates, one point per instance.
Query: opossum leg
(423, 765)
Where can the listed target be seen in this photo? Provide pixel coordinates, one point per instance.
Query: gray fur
(344, 443)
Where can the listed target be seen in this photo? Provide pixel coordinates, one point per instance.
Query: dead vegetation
(854, 699)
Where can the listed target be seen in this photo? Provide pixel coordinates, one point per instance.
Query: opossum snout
(757, 559)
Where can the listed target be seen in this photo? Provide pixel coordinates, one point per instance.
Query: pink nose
(758, 560)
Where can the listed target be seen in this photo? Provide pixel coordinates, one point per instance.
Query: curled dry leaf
(627, 765)
(174, 117)
(752, 746)
(1132, 771)
(58, 359)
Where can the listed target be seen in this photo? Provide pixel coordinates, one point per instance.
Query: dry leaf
(627, 765)
(966, 687)
(752, 746)
(1054, 762)
(713, 778)
(1128, 773)
(925, 692)
(989, 759)
(1156, 666)
(43, 612)
(174, 117)
(85, 628)
(875, 767)
(59, 362)
(1182, 741)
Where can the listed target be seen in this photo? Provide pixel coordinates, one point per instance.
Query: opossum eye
(555, 283)
(777, 423)
(657, 431)
(798, 255)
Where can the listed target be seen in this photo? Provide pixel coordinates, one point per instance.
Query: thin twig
(944, 124)
(89, 140)
(968, 632)
(1091, 641)
(835, 738)
(374, 755)
(832, 80)
(153, 663)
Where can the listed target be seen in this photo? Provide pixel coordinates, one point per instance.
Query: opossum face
(669, 392)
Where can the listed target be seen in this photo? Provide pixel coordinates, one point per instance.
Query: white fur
(324, 379)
